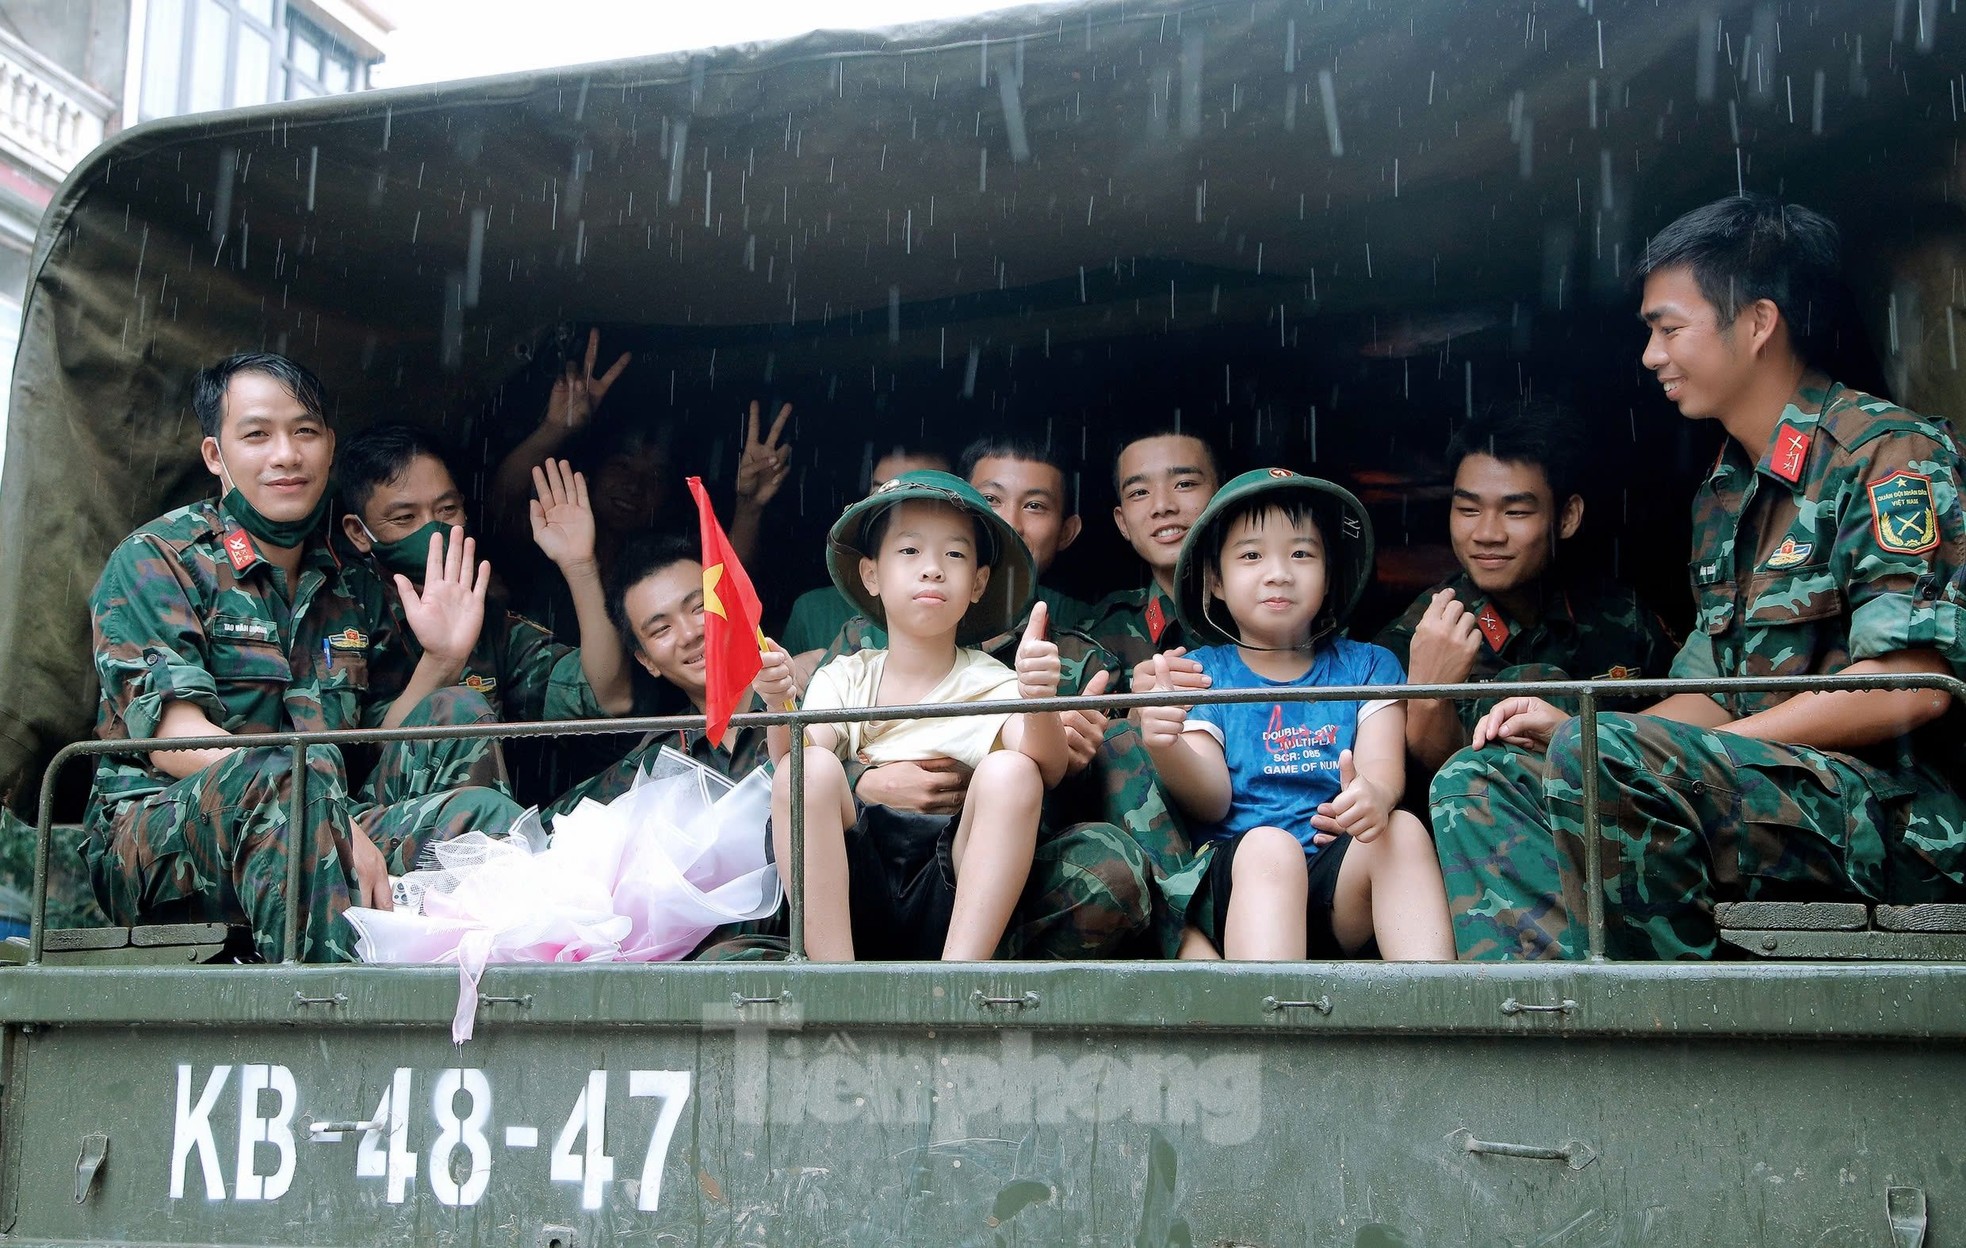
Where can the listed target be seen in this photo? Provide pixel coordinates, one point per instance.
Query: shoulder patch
(239, 549)
(1790, 454)
(1903, 518)
(1790, 553)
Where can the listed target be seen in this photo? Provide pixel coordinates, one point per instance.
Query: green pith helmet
(1341, 519)
(1013, 577)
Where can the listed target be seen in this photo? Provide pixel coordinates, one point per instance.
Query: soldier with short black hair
(1515, 611)
(1829, 539)
(235, 616)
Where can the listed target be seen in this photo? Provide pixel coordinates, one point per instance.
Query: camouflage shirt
(1589, 630)
(1846, 542)
(744, 750)
(512, 665)
(187, 610)
(1134, 625)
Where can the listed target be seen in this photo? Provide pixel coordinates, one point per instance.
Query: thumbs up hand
(1361, 810)
(1037, 658)
(1160, 726)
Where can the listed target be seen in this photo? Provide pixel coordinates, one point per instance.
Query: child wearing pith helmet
(924, 557)
(1291, 801)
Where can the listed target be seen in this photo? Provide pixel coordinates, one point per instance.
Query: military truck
(1319, 233)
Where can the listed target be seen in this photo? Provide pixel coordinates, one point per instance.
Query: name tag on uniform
(235, 629)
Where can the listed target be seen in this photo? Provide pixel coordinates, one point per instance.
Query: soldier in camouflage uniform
(1829, 538)
(1026, 483)
(1513, 612)
(1163, 481)
(234, 617)
(400, 504)
(655, 600)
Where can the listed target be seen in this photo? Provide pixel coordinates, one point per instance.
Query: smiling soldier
(234, 616)
(1163, 480)
(1515, 611)
(1829, 539)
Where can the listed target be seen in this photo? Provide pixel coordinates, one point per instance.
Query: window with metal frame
(200, 55)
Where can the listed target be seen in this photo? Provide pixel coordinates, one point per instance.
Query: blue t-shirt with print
(1283, 756)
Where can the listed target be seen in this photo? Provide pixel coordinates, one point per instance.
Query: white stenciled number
(671, 1087)
(398, 1165)
(593, 1169)
(467, 1131)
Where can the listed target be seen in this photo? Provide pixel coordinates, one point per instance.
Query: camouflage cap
(1341, 519)
(1013, 577)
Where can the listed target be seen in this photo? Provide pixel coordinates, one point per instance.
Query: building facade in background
(73, 72)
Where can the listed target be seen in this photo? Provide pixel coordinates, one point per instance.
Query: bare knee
(1405, 834)
(822, 771)
(1270, 857)
(1006, 777)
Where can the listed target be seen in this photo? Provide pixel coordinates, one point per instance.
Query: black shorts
(901, 882)
(1323, 945)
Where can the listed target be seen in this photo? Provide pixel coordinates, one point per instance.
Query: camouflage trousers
(1688, 817)
(71, 902)
(215, 846)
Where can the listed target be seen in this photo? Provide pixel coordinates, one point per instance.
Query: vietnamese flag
(731, 636)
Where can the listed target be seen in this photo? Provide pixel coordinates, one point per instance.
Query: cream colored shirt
(852, 681)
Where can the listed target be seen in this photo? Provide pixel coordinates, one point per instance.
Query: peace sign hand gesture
(577, 391)
(763, 466)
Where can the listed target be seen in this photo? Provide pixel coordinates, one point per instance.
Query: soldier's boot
(1089, 895)
(1497, 855)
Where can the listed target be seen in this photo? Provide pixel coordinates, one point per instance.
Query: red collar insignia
(1156, 619)
(1791, 452)
(1493, 627)
(239, 549)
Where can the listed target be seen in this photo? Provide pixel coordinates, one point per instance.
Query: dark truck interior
(1318, 234)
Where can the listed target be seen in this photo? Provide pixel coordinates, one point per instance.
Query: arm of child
(1190, 764)
(777, 688)
(1371, 776)
(1039, 736)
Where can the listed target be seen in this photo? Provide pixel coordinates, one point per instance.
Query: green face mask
(410, 555)
(285, 534)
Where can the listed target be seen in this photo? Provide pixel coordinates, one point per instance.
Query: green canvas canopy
(1338, 218)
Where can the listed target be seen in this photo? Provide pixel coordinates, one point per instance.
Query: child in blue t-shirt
(1302, 851)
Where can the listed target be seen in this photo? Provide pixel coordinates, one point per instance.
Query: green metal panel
(823, 1134)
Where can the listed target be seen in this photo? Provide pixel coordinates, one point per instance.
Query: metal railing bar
(296, 832)
(1587, 691)
(1593, 831)
(795, 835)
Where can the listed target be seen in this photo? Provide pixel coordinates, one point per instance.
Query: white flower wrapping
(643, 878)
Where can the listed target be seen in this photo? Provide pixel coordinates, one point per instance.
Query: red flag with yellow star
(731, 636)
